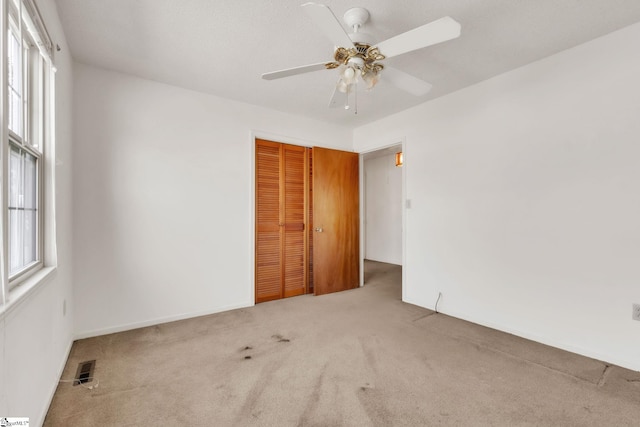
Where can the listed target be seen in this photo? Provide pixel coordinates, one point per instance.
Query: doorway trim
(395, 142)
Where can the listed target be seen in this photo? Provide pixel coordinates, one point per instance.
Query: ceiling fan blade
(406, 82)
(324, 18)
(429, 34)
(293, 71)
(338, 99)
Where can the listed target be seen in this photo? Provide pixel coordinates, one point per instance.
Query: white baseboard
(55, 385)
(633, 365)
(157, 321)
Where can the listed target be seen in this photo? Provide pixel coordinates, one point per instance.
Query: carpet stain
(372, 401)
(263, 381)
(369, 352)
(247, 348)
(314, 399)
(605, 374)
(280, 338)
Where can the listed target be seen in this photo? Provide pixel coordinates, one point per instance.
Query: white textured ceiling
(222, 47)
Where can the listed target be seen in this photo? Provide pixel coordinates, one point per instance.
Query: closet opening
(306, 220)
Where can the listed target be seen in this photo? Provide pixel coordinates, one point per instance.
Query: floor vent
(84, 374)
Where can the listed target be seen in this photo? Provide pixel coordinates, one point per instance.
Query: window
(28, 86)
(23, 210)
(14, 81)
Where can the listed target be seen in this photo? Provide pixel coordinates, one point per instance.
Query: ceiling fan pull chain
(346, 99)
(355, 97)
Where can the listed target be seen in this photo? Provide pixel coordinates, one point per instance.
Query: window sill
(26, 288)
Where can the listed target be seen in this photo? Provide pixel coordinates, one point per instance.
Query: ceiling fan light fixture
(370, 79)
(349, 73)
(342, 86)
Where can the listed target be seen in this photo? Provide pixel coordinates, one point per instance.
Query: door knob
(319, 229)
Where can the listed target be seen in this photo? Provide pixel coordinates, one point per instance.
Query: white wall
(164, 198)
(35, 336)
(383, 209)
(525, 197)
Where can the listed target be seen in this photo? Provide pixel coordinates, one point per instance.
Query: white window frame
(22, 18)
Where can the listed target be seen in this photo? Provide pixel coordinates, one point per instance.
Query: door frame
(306, 143)
(402, 142)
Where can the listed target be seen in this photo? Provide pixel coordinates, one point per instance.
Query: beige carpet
(356, 358)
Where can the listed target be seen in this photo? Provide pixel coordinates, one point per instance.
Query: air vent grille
(84, 374)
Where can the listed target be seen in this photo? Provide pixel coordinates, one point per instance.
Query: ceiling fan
(357, 59)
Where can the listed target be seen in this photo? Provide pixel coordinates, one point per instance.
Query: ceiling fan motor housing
(356, 17)
(356, 62)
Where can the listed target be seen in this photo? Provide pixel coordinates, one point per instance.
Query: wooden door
(310, 231)
(294, 189)
(281, 242)
(268, 240)
(336, 219)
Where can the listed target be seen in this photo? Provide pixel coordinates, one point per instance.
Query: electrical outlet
(636, 312)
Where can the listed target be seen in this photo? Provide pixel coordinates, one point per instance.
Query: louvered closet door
(281, 187)
(294, 254)
(310, 288)
(268, 247)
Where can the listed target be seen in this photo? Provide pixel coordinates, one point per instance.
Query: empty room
(320, 214)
